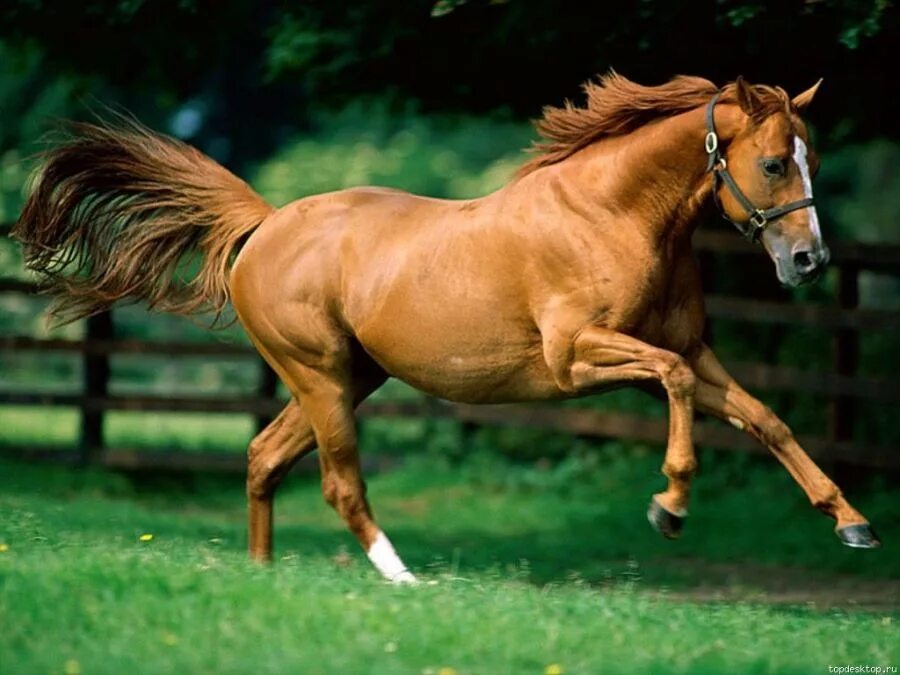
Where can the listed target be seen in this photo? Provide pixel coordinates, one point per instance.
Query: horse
(575, 278)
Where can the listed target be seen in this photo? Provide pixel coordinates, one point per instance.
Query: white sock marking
(386, 561)
(800, 152)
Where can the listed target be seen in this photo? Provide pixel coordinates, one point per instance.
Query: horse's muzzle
(808, 264)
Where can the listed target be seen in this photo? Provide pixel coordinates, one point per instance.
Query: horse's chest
(673, 328)
(664, 310)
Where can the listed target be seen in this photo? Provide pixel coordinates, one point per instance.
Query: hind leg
(327, 372)
(271, 455)
(328, 401)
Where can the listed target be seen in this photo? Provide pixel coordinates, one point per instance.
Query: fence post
(707, 260)
(266, 388)
(842, 412)
(95, 386)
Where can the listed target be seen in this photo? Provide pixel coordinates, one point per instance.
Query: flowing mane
(616, 106)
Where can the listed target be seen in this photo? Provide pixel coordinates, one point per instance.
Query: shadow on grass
(579, 552)
(756, 541)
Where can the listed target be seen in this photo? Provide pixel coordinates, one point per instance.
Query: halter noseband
(758, 218)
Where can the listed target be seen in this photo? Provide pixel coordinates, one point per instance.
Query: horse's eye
(772, 166)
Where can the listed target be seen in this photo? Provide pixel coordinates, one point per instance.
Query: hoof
(404, 578)
(667, 524)
(860, 535)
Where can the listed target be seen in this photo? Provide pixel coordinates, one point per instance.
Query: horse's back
(314, 237)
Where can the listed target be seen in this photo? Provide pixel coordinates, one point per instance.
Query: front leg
(598, 357)
(719, 395)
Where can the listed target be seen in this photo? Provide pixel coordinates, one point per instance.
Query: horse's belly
(480, 367)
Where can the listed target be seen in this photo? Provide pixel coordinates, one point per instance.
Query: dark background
(260, 68)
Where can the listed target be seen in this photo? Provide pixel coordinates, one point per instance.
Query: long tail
(119, 212)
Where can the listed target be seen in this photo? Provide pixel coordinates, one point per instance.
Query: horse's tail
(121, 212)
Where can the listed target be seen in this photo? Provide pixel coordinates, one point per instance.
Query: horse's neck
(655, 177)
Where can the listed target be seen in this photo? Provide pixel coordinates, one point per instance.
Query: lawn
(524, 570)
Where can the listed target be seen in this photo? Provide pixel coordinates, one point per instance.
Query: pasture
(525, 569)
(126, 552)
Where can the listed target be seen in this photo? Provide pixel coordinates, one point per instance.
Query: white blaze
(800, 153)
(386, 560)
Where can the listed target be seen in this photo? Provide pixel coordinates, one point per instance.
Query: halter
(758, 218)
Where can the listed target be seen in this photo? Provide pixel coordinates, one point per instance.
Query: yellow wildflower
(72, 667)
(447, 670)
(146, 537)
(553, 669)
(4, 548)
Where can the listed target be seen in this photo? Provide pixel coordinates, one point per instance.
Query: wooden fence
(841, 385)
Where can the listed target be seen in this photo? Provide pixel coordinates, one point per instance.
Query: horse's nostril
(804, 261)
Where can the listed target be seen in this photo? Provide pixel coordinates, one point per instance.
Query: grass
(523, 569)
(189, 432)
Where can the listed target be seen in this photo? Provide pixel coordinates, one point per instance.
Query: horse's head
(770, 163)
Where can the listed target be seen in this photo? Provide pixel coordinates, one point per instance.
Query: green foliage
(13, 179)
(444, 7)
(859, 190)
(368, 144)
(30, 96)
(738, 16)
(258, 68)
(856, 21)
(861, 19)
(298, 40)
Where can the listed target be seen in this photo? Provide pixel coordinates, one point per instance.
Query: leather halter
(757, 219)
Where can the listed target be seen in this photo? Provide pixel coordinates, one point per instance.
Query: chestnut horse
(576, 277)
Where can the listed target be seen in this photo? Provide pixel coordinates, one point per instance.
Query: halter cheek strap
(757, 219)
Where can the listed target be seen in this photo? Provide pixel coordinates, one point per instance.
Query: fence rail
(841, 384)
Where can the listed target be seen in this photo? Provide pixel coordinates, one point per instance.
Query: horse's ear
(801, 101)
(747, 99)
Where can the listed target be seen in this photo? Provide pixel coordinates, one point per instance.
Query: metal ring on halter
(759, 220)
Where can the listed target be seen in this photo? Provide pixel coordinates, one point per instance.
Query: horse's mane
(616, 106)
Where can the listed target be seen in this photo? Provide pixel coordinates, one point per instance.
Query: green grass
(44, 426)
(189, 432)
(523, 568)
